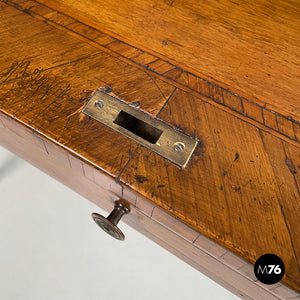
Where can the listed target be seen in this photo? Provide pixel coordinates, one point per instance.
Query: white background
(50, 248)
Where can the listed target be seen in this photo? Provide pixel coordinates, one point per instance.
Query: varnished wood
(241, 185)
(56, 88)
(213, 260)
(230, 190)
(250, 47)
(226, 99)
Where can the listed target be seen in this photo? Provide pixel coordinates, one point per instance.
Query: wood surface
(241, 187)
(251, 47)
(226, 99)
(215, 261)
(236, 189)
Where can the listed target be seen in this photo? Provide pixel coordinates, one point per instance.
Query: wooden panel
(229, 190)
(19, 41)
(248, 46)
(158, 225)
(48, 94)
(256, 113)
(56, 161)
(285, 162)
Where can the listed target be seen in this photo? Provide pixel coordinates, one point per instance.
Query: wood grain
(157, 225)
(249, 47)
(215, 93)
(240, 187)
(230, 189)
(50, 97)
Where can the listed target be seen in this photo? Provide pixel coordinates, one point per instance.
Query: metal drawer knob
(109, 224)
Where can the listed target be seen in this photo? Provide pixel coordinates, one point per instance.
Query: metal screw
(107, 89)
(179, 147)
(99, 104)
(135, 103)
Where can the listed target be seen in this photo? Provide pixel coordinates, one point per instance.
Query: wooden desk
(226, 74)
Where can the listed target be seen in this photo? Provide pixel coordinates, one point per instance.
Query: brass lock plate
(141, 127)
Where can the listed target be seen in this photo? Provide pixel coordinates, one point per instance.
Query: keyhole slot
(138, 127)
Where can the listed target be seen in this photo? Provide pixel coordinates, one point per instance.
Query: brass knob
(109, 224)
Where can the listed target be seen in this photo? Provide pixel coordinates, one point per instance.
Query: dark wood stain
(140, 178)
(291, 166)
(236, 156)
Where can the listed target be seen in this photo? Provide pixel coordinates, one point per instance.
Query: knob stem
(119, 211)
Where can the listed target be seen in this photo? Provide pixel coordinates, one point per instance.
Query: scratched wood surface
(240, 187)
(251, 47)
(216, 262)
(225, 98)
(53, 80)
